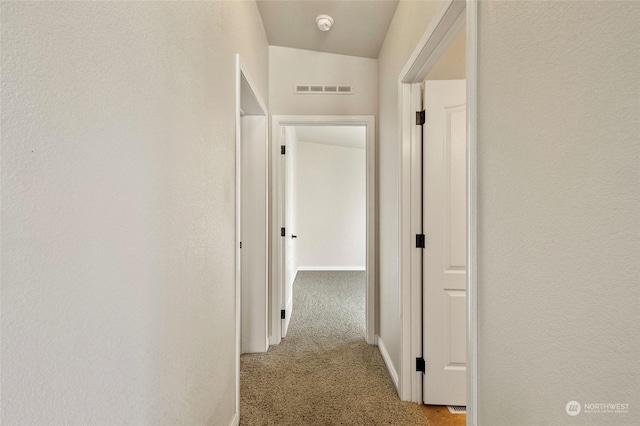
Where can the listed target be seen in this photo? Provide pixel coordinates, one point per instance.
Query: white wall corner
(387, 360)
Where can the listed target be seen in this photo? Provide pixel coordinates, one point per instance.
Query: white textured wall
(559, 211)
(331, 206)
(294, 66)
(118, 209)
(409, 24)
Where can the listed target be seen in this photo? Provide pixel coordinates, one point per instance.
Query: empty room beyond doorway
(323, 206)
(324, 203)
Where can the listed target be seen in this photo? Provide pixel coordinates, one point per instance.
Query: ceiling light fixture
(324, 22)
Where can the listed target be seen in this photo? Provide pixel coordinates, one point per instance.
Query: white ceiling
(347, 136)
(359, 26)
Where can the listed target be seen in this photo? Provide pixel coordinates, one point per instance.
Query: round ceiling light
(324, 22)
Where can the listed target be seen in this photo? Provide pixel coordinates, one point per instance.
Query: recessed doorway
(283, 242)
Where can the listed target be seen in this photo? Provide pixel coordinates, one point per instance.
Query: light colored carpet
(323, 372)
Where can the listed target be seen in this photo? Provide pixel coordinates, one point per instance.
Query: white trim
(241, 70)
(472, 213)
(235, 420)
(438, 36)
(332, 268)
(387, 361)
(278, 123)
(277, 273)
(408, 228)
(440, 33)
(238, 265)
(412, 291)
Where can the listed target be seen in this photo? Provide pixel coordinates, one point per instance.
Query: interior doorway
(252, 219)
(285, 227)
(438, 231)
(324, 203)
(444, 209)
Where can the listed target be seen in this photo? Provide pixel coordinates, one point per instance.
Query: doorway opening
(437, 211)
(252, 215)
(295, 242)
(324, 206)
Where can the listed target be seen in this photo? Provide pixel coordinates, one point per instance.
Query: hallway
(323, 372)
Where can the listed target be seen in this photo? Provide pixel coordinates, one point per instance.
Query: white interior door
(444, 225)
(289, 223)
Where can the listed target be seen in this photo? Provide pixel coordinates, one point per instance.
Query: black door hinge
(421, 117)
(282, 232)
(240, 244)
(283, 149)
(420, 364)
(420, 240)
(282, 314)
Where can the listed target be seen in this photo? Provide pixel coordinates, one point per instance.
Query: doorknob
(294, 236)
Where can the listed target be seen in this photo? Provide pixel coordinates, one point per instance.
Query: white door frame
(259, 108)
(277, 276)
(452, 16)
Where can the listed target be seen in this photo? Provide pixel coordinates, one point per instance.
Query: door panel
(455, 214)
(444, 225)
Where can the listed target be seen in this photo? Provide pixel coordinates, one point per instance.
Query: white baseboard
(331, 268)
(387, 360)
(235, 421)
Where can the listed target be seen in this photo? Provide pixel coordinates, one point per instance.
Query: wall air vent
(323, 89)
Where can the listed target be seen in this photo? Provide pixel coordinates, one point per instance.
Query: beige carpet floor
(323, 372)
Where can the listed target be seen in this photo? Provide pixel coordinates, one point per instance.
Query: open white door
(289, 243)
(444, 224)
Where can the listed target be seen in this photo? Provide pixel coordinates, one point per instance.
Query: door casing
(277, 273)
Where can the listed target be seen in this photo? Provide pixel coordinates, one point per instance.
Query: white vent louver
(457, 409)
(323, 89)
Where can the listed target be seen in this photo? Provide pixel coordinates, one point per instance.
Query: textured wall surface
(289, 66)
(559, 203)
(118, 209)
(408, 25)
(331, 205)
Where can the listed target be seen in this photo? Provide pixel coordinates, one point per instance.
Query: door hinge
(282, 232)
(420, 241)
(421, 117)
(240, 244)
(283, 149)
(282, 314)
(420, 364)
